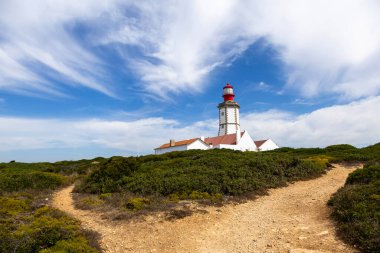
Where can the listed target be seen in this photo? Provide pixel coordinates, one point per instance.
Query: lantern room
(228, 92)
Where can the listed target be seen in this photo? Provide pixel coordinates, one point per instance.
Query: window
(222, 126)
(227, 91)
(222, 114)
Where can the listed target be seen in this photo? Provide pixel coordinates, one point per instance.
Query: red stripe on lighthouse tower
(228, 92)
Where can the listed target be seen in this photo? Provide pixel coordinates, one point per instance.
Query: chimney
(172, 143)
(202, 138)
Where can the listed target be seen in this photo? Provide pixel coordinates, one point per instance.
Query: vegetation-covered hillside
(211, 172)
(224, 172)
(356, 208)
(336, 153)
(27, 223)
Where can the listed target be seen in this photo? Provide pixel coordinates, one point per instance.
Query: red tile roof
(178, 143)
(229, 139)
(259, 143)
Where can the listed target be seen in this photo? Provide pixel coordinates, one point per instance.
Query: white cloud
(36, 45)
(326, 47)
(352, 123)
(184, 41)
(144, 134)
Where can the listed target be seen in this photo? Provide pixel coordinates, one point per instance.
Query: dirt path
(291, 219)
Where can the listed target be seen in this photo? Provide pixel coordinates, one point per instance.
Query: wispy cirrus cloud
(38, 51)
(181, 42)
(172, 46)
(323, 49)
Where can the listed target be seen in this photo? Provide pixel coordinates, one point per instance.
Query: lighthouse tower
(229, 122)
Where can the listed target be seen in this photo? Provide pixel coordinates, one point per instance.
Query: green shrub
(63, 167)
(11, 206)
(336, 153)
(25, 228)
(137, 204)
(107, 177)
(356, 208)
(10, 182)
(209, 172)
(199, 195)
(90, 202)
(76, 245)
(173, 197)
(104, 196)
(341, 148)
(366, 175)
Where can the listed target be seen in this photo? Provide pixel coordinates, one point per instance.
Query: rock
(324, 232)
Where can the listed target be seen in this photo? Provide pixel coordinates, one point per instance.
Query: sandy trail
(291, 219)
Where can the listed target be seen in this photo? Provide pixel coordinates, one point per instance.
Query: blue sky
(80, 79)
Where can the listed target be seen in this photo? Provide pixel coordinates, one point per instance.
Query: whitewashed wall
(246, 143)
(268, 145)
(234, 147)
(170, 149)
(198, 144)
(232, 120)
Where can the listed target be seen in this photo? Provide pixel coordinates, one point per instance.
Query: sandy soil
(290, 219)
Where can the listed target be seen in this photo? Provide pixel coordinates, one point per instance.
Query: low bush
(10, 182)
(27, 228)
(199, 174)
(137, 204)
(75, 245)
(370, 174)
(90, 202)
(356, 208)
(335, 153)
(80, 167)
(109, 175)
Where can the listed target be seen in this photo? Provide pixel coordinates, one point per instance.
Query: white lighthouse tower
(229, 122)
(229, 135)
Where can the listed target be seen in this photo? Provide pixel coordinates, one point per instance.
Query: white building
(195, 143)
(229, 135)
(265, 145)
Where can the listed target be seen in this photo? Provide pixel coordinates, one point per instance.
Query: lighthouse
(229, 135)
(229, 122)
